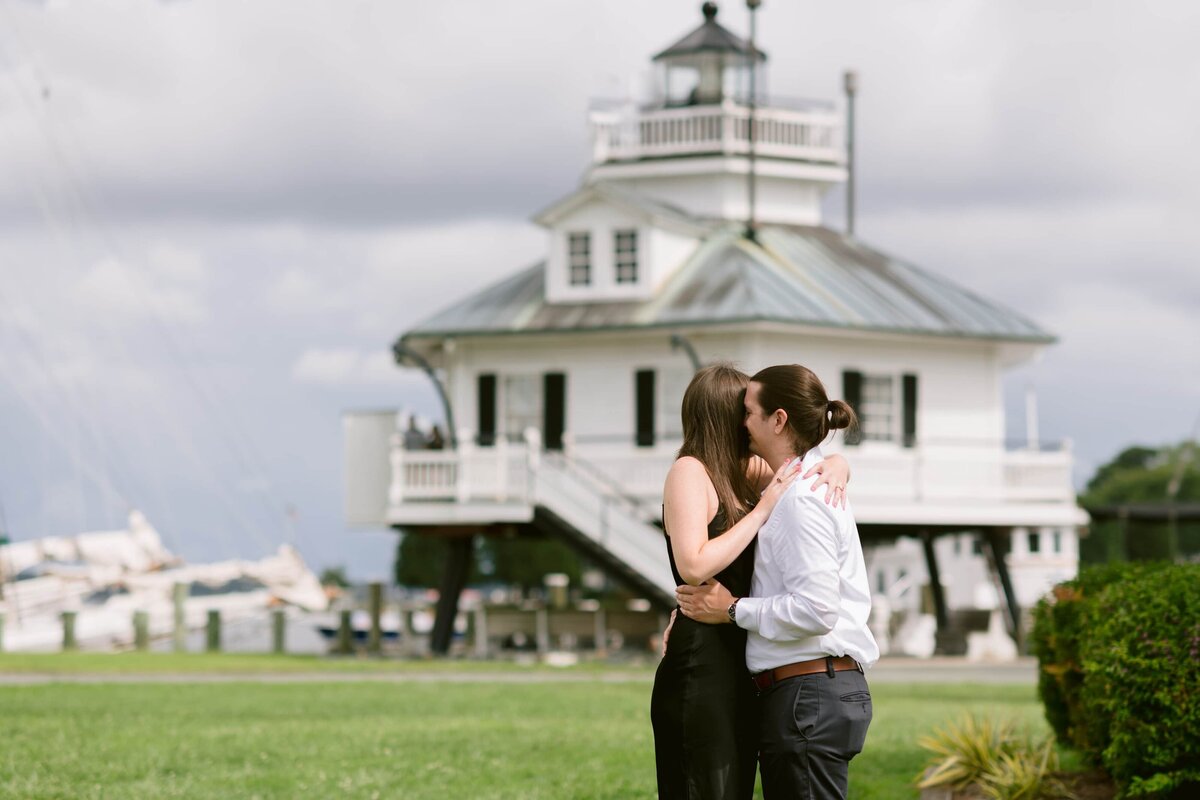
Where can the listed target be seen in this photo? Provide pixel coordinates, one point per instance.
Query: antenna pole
(751, 224)
(850, 82)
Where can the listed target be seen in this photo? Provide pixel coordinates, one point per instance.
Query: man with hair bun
(808, 644)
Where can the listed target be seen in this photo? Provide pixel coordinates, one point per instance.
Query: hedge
(1119, 654)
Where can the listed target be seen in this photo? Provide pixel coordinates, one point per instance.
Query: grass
(411, 740)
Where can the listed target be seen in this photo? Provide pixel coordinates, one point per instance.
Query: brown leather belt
(768, 678)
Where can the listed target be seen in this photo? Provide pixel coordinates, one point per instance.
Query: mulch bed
(1092, 785)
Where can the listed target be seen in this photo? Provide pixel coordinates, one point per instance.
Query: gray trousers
(810, 728)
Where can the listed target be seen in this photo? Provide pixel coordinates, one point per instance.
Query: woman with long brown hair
(715, 499)
(808, 645)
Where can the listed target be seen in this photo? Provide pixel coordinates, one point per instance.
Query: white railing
(633, 133)
(496, 474)
(883, 473)
(614, 523)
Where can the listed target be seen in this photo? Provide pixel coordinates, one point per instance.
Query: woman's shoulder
(689, 468)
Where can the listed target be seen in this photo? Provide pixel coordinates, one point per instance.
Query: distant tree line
(1143, 476)
(517, 561)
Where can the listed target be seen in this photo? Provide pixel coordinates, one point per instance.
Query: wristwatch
(732, 610)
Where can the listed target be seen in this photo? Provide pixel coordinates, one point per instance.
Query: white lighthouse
(565, 378)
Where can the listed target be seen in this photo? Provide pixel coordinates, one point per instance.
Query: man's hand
(707, 603)
(667, 632)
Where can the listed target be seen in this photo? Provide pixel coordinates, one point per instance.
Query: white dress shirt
(810, 593)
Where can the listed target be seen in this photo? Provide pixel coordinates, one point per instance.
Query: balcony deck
(937, 485)
(812, 134)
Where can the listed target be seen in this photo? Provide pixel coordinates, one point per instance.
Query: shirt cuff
(747, 612)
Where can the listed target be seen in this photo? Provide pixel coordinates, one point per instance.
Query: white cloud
(298, 291)
(177, 263)
(347, 367)
(127, 293)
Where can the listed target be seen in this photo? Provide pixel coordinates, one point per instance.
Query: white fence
(881, 473)
(812, 135)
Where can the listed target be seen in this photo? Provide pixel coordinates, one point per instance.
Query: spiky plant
(1023, 774)
(964, 751)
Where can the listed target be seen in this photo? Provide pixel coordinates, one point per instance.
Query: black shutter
(487, 410)
(910, 410)
(554, 409)
(852, 394)
(644, 404)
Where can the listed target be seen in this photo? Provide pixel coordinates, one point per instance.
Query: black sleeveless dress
(703, 708)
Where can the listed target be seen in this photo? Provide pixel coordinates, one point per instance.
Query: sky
(215, 217)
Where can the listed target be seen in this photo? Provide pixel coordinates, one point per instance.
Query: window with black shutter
(909, 410)
(487, 409)
(852, 395)
(644, 407)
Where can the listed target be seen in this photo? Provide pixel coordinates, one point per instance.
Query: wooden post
(543, 630)
(141, 630)
(68, 623)
(997, 541)
(601, 632)
(1, 631)
(375, 607)
(947, 642)
(459, 553)
(345, 638)
(278, 631)
(481, 632)
(179, 634)
(213, 631)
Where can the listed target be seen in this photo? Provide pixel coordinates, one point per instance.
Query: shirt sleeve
(806, 548)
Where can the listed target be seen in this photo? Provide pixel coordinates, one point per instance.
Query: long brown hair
(713, 433)
(811, 415)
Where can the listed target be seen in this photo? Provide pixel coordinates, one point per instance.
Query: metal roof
(792, 275)
(710, 37)
(652, 209)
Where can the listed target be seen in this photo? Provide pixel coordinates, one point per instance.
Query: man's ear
(780, 420)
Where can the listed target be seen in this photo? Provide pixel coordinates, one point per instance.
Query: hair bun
(840, 415)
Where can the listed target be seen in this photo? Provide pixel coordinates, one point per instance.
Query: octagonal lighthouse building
(696, 236)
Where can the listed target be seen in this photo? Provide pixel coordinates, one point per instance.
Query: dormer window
(625, 253)
(579, 259)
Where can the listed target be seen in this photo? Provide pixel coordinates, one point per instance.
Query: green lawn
(256, 664)
(410, 740)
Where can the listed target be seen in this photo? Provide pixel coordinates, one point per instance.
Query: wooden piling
(480, 631)
(179, 594)
(375, 609)
(141, 630)
(278, 631)
(212, 643)
(68, 623)
(345, 637)
(542, 622)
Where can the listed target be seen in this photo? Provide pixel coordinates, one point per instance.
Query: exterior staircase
(577, 503)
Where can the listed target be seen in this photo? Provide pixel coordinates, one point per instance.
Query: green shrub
(1059, 628)
(1141, 680)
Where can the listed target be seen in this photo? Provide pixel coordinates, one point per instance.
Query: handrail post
(501, 451)
(533, 460)
(462, 477)
(396, 459)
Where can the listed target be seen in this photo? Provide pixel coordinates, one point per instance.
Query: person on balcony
(716, 497)
(808, 643)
